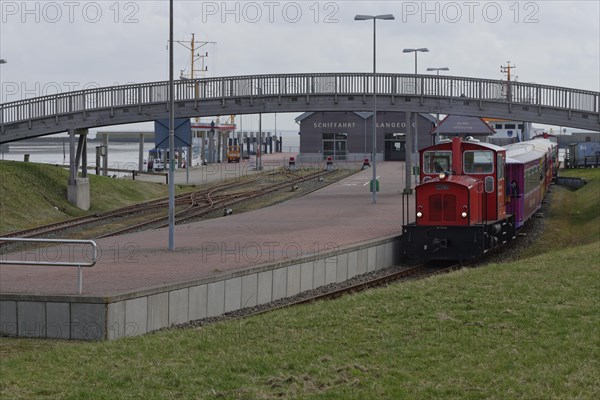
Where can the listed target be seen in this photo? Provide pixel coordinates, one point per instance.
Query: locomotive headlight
(419, 214)
(464, 214)
(442, 176)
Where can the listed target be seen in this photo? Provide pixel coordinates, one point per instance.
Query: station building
(348, 135)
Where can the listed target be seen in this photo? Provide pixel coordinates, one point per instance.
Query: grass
(528, 329)
(575, 215)
(35, 194)
(521, 330)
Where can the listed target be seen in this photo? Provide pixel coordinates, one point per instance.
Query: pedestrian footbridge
(254, 94)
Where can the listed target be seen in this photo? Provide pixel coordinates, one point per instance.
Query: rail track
(195, 204)
(210, 202)
(410, 273)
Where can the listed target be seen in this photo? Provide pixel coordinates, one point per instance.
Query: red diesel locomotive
(475, 196)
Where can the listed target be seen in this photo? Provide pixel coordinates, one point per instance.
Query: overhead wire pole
(171, 135)
(191, 45)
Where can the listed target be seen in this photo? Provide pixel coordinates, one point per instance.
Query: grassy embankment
(34, 194)
(528, 329)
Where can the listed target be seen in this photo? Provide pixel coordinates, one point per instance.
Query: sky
(58, 46)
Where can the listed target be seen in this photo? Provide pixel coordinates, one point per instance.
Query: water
(121, 155)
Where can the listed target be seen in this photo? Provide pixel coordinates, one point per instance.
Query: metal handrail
(79, 265)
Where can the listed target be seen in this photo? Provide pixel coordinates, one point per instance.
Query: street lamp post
(420, 50)
(437, 88)
(2, 61)
(171, 135)
(415, 148)
(374, 156)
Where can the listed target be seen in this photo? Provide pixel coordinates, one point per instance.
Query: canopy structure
(458, 125)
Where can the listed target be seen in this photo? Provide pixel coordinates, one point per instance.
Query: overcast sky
(55, 46)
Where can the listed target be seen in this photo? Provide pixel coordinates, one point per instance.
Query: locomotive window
(437, 161)
(500, 164)
(478, 162)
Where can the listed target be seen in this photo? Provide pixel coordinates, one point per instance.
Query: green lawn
(522, 330)
(35, 194)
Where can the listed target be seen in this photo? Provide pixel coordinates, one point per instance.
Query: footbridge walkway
(253, 94)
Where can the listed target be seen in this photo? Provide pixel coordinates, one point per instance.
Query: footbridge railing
(257, 86)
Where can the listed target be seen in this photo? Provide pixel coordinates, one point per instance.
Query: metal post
(79, 280)
(98, 157)
(141, 155)
(171, 135)
(374, 182)
(416, 142)
(259, 142)
(365, 138)
(416, 72)
(188, 163)
(72, 166)
(408, 155)
(105, 156)
(84, 166)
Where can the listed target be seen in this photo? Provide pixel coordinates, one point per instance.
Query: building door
(334, 145)
(395, 148)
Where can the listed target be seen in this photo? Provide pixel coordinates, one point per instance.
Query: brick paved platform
(288, 244)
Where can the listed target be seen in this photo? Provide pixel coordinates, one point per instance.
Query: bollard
(366, 164)
(292, 164)
(329, 166)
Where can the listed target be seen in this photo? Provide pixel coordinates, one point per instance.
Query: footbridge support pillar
(78, 191)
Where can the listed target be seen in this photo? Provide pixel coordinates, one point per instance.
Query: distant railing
(79, 265)
(256, 86)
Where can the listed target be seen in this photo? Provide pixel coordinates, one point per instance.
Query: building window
(521, 126)
(498, 126)
(334, 146)
(509, 126)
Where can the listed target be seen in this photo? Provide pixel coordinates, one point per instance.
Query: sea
(121, 155)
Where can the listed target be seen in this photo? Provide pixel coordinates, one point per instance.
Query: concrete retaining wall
(573, 183)
(136, 313)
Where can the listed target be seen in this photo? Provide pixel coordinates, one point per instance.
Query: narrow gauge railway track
(411, 273)
(408, 274)
(191, 199)
(211, 203)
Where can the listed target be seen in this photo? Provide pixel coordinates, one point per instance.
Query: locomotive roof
(524, 152)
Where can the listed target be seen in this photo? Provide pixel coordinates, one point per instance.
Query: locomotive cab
(460, 206)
